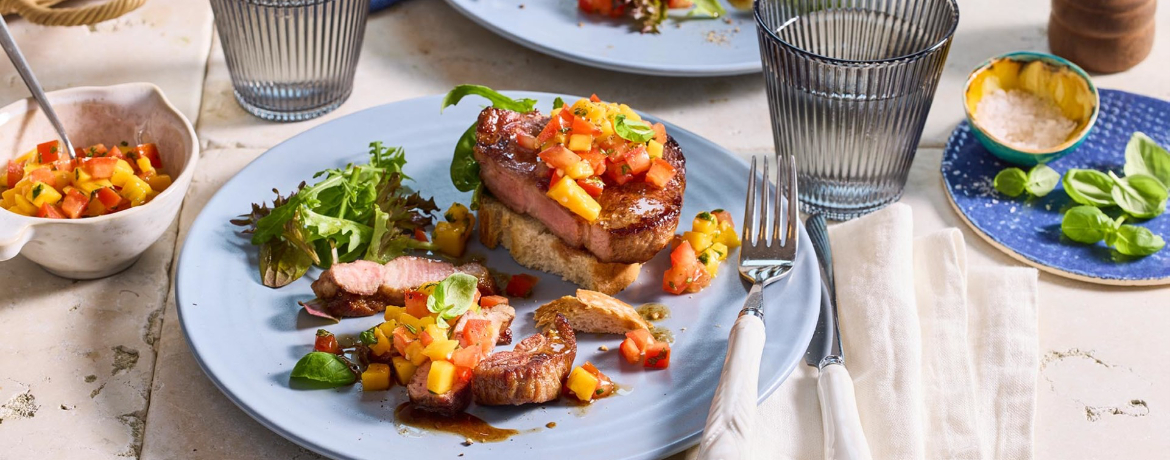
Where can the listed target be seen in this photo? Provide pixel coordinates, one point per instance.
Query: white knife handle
(733, 411)
(844, 438)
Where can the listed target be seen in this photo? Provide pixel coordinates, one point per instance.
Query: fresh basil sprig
(1041, 180)
(1132, 240)
(325, 370)
(464, 168)
(1089, 187)
(633, 131)
(1144, 156)
(1139, 195)
(1089, 225)
(453, 296)
(709, 9)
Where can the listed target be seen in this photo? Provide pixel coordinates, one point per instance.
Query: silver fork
(763, 260)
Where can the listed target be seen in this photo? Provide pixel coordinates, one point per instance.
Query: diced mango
(79, 176)
(393, 312)
(654, 148)
(728, 236)
(583, 384)
(387, 328)
(720, 249)
(441, 377)
(579, 170)
(384, 343)
(414, 353)
(42, 193)
(403, 369)
(699, 241)
(135, 190)
(376, 377)
(629, 113)
(580, 142)
(91, 186)
(440, 349)
(451, 237)
(23, 206)
(7, 198)
(710, 260)
(144, 165)
(572, 196)
(705, 223)
(159, 182)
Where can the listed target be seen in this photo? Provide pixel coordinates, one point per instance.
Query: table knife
(844, 437)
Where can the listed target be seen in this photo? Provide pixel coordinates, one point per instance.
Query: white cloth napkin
(944, 357)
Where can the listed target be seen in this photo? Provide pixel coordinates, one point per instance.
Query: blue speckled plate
(692, 48)
(1029, 229)
(247, 337)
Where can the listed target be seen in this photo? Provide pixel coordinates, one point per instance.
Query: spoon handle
(30, 80)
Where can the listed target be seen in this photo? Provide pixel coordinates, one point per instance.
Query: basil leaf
(325, 369)
(1144, 156)
(558, 103)
(368, 337)
(1010, 181)
(1139, 195)
(282, 263)
(710, 9)
(633, 131)
(498, 100)
(1089, 187)
(1086, 224)
(453, 296)
(1132, 240)
(1041, 180)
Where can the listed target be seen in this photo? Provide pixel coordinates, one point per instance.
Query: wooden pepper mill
(1102, 35)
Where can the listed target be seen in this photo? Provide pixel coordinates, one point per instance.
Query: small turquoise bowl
(1045, 75)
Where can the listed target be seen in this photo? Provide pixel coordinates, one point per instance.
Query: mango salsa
(376, 377)
(441, 377)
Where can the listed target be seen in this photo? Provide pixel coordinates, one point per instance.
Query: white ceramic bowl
(94, 247)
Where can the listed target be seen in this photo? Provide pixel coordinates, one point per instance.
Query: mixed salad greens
(359, 212)
(1140, 194)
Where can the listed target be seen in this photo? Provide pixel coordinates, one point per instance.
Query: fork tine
(749, 209)
(793, 200)
(778, 212)
(763, 225)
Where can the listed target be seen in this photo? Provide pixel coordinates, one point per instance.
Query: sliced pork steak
(637, 219)
(363, 288)
(447, 403)
(533, 372)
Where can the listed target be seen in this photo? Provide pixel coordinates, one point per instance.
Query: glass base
(839, 213)
(284, 116)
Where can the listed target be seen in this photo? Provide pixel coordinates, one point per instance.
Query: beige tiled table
(99, 369)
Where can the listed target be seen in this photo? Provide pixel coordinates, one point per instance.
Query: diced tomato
(723, 217)
(641, 337)
(520, 285)
(100, 168)
(559, 157)
(660, 173)
(425, 337)
(675, 280)
(596, 161)
(420, 235)
(638, 160)
(554, 177)
(49, 211)
(551, 129)
(526, 140)
(402, 339)
(658, 355)
(583, 126)
(659, 128)
(683, 255)
(96, 150)
(108, 197)
(43, 175)
(112, 153)
(416, 304)
(150, 152)
(492, 300)
(74, 204)
(475, 331)
(464, 374)
(700, 279)
(593, 98)
(631, 352)
(466, 357)
(64, 164)
(48, 152)
(605, 387)
(15, 173)
(592, 185)
(619, 172)
(326, 342)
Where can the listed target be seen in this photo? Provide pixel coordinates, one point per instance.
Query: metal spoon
(30, 80)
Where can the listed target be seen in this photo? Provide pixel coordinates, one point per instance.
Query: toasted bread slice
(535, 247)
(592, 311)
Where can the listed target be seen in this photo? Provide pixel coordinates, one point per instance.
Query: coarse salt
(1023, 119)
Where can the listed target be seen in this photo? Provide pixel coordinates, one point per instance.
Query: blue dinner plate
(685, 48)
(1029, 228)
(247, 337)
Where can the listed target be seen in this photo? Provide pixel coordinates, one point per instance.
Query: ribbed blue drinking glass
(850, 83)
(291, 60)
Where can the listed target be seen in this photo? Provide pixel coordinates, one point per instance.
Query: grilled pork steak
(448, 403)
(637, 219)
(363, 288)
(533, 372)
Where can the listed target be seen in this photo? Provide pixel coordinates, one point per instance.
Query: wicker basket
(42, 11)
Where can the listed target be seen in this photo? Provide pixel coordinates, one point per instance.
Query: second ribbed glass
(291, 60)
(850, 83)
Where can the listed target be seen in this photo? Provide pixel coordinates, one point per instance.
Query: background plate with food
(689, 42)
(248, 337)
